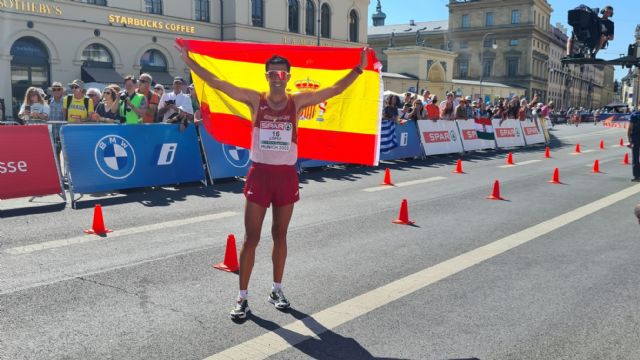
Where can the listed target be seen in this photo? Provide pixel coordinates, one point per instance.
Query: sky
(624, 17)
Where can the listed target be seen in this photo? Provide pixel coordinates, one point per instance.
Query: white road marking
(21, 250)
(601, 132)
(281, 339)
(519, 164)
(403, 184)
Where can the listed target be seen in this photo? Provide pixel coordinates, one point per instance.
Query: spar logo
(236, 156)
(506, 133)
(115, 157)
(469, 134)
(531, 130)
(437, 136)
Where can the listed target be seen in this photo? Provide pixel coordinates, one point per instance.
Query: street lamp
(494, 46)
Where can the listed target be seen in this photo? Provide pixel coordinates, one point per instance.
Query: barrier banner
(507, 132)
(27, 164)
(532, 130)
(615, 120)
(476, 135)
(408, 143)
(440, 137)
(224, 161)
(113, 157)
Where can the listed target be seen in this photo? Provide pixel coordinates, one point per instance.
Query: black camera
(123, 96)
(170, 102)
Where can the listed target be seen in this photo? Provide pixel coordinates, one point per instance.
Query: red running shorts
(272, 184)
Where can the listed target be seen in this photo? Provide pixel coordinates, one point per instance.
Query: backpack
(68, 100)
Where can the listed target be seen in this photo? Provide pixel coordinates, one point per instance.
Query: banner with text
(440, 137)
(476, 135)
(113, 157)
(508, 133)
(407, 143)
(532, 130)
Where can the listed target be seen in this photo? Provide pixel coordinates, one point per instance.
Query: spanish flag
(344, 129)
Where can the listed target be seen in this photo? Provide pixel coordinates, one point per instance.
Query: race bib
(275, 136)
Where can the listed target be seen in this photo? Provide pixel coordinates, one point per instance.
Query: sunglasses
(73, 87)
(277, 74)
(56, 89)
(143, 81)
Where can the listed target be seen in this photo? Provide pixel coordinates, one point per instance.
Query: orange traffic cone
(98, 227)
(230, 262)
(495, 195)
(621, 142)
(625, 161)
(578, 148)
(459, 167)
(547, 155)
(556, 177)
(601, 144)
(510, 159)
(387, 178)
(403, 217)
(596, 166)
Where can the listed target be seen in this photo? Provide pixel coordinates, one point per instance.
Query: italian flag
(484, 129)
(344, 129)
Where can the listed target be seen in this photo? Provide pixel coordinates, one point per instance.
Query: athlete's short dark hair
(277, 60)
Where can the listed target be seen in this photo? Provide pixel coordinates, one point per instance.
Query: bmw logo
(115, 157)
(236, 156)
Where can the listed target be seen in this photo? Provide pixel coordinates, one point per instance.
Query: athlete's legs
(253, 218)
(281, 219)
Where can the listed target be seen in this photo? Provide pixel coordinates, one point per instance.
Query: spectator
(524, 111)
(34, 107)
(159, 89)
(446, 109)
(133, 106)
(195, 104)
(633, 135)
(94, 95)
(390, 110)
(170, 101)
(408, 98)
(152, 99)
(433, 111)
(108, 109)
(55, 102)
(513, 108)
(183, 116)
(77, 107)
(427, 97)
(460, 111)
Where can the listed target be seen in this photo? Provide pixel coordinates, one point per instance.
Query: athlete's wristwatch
(358, 70)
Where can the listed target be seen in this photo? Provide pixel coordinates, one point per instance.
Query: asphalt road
(549, 273)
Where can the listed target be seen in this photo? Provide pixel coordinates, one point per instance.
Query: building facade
(102, 40)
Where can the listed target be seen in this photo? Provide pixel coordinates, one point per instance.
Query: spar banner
(440, 137)
(345, 128)
(476, 134)
(111, 157)
(406, 142)
(224, 161)
(27, 164)
(532, 130)
(507, 132)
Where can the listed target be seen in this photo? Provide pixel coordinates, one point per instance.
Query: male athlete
(272, 178)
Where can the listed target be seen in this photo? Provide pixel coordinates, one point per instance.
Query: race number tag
(275, 136)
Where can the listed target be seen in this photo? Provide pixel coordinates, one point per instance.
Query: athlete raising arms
(272, 178)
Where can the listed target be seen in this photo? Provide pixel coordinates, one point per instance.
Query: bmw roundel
(236, 156)
(115, 157)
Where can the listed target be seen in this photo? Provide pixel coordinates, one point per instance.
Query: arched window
(153, 6)
(310, 18)
(97, 53)
(29, 66)
(325, 21)
(202, 10)
(354, 24)
(294, 16)
(153, 60)
(257, 13)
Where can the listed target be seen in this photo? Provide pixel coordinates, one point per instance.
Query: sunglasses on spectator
(94, 95)
(143, 81)
(73, 87)
(56, 89)
(277, 74)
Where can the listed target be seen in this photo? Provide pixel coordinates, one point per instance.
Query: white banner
(508, 133)
(439, 137)
(469, 136)
(532, 130)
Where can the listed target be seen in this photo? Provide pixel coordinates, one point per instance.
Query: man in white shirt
(170, 101)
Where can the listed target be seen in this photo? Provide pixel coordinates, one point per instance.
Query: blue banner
(223, 160)
(408, 143)
(112, 157)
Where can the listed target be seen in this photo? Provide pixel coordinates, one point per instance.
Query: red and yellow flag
(345, 128)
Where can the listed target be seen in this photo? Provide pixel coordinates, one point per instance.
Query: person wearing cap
(633, 135)
(170, 101)
(77, 107)
(433, 111)
(152, 99)
(56, 112)
(133, 106)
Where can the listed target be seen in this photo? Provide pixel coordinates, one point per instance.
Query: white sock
(276, 286)
(243, 294)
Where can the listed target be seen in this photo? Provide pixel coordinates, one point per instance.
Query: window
(153, 60)
(515, 16)
(325, 21)
(294, 16)
(97, 2)
(465, 21)
(489, 19)
(97, 53)
(354, 24)
(153, 6)
(488, 43)
(257, 13)
(310, 18)
(513, 42)
(202, 10)
(486, 67)
(464, 44)
(463, 69)
(512, 67)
